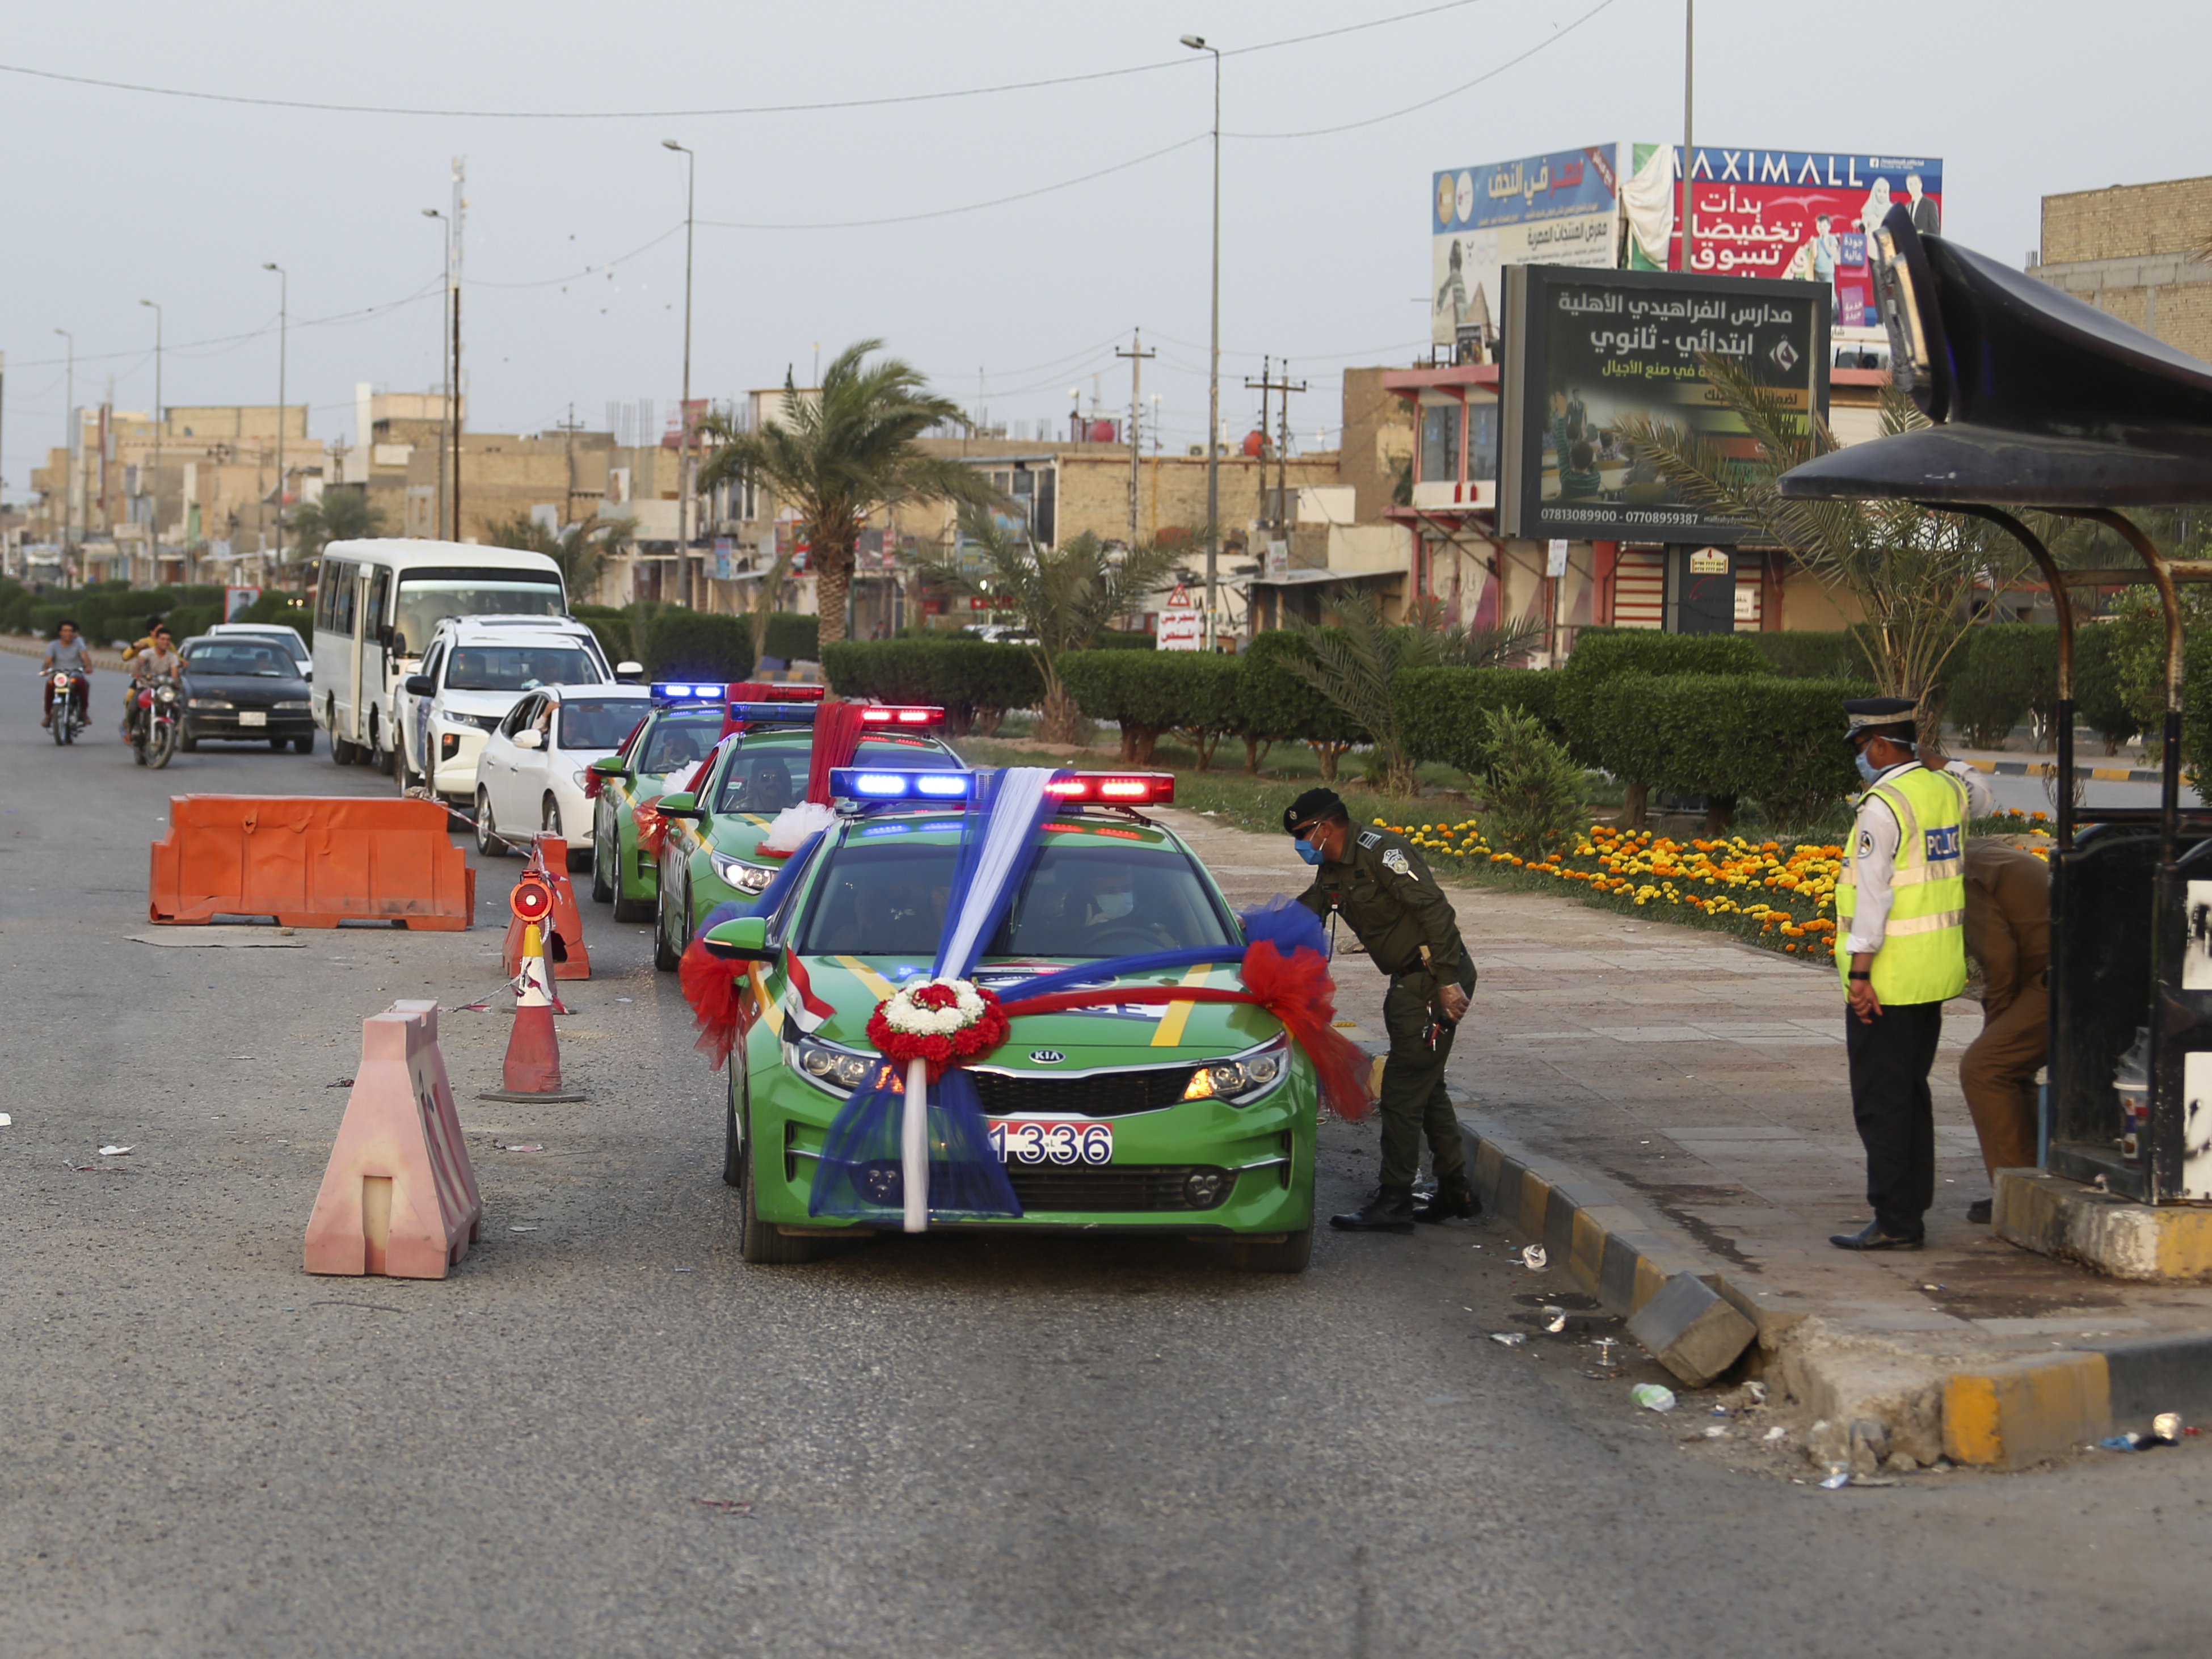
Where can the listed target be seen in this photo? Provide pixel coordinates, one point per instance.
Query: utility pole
(1197, 43)
(1136, 353)
(69, 438)
(154, 519)
(568, 502)
(445, 382)
(283, 326)
(683, 419)
(1280, 519)
(459, 217)
(1266, 383)
(1689, 150)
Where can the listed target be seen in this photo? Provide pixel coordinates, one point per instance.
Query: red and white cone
(532, 1071)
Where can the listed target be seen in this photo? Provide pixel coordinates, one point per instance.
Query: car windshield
(769, 780)
(428, 599)
(678, 740)
(284, 639)
(240, 656)
(882, 894)
(519, 667)
(599, 724)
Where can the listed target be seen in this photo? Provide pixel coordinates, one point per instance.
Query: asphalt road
(609, 1435)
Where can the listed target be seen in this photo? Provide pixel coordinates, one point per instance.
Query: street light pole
(1197, 43)
(156, 518)
(445, 383)
(283, 327)
(70, 438)
(683, 418)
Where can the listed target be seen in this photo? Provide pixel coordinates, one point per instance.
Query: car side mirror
(419, 685)
(744, 938)
(611, 767)
(680, 805)
(630, 674)
(531, 739)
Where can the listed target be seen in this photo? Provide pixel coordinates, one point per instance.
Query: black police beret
(1861, 712)
(1314, 804)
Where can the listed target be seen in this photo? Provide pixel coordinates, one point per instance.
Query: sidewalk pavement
(2116, 768)
(1661, 1083)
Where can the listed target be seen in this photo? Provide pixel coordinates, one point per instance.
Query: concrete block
(2011, 1415)
(2150, 1374)
(1692, 1330)
(2054, 1217)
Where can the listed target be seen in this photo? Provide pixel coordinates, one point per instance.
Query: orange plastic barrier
(548, 862)
(398, 1198)
(310, 862)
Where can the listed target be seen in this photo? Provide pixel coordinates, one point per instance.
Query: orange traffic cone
(532, 1071)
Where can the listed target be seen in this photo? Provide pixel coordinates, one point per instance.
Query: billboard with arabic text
(1586, 350)
(1562, 208)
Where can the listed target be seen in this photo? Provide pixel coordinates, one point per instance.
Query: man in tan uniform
(2008, 933)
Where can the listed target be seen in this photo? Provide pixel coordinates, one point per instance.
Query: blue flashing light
(887, 830)
(776, 714)
(684, 691)
(872, 784)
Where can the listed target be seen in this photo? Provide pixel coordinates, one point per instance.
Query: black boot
(1872, 1237)
(1453, 1200)
(1388, 1210)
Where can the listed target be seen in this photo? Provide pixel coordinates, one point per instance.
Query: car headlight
(840, 1071)
(736, 872)
(1244, 1079)
(292, 707)
(475, 722)
(206, 702)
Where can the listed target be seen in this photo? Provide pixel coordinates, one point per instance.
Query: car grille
(1124, 1186)
(1102, 1094)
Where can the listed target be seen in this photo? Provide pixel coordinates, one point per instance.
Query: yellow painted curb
(2019, 1413)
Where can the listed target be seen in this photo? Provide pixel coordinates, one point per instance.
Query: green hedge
(696, 643)
(106, 611)
(2197, 709)
(1730, 737)
(2002, 673)
(1123, 639)
(1811, 655)
(792, 637)
(1443, 713)
(1278, 706)
(1602, 654)
(1194, 693)
(2099, 700)
(975, 680)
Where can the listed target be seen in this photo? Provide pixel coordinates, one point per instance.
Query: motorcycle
(68, 717)
(153, 728)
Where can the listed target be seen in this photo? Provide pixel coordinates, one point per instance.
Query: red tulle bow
(711, 985)
(652, 828)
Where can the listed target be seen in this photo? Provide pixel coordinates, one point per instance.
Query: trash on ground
(1509, 1339)
(1653, 1396)
(5, 1120)
(1534, 1259)
(1720, 1411)
(727, 1505)
(2131, 1442)
(2166, 1425)
(1757, 1391)
(518, 1146)
(1934, 1287)
(625, 999)
(1555, 1318)
(81, 1168)
(113, 1152)
(1608, 1352)
(1777, 1432)
(522, 1230)
(1838, 1477)
(1716, 1432)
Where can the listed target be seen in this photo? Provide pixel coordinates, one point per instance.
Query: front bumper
(224, 725)
(455, 773)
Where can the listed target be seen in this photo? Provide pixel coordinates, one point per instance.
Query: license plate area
(1065, 1142)
(252, 717)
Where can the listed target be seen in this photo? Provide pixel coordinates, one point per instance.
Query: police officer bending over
(1901, 902)
(1385, 893)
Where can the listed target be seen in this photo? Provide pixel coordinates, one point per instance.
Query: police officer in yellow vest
(1901, 904)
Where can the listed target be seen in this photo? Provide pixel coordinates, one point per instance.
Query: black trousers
(1415, 1105)
(1890, 1060)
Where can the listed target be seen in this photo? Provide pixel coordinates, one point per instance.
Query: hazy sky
(115, 196)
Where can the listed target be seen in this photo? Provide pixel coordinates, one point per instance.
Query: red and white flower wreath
(943, 1022)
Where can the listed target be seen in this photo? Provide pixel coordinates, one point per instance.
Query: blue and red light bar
(774, 713)
(1115, 788)
(774, 691)
(687, 691)
(884, 783)
(906, 718)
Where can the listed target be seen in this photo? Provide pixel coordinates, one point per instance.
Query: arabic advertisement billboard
(1563, 209)
(1585, 350)
(1801, 215)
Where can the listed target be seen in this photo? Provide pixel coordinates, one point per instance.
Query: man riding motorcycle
(156, 660)
(66, 654)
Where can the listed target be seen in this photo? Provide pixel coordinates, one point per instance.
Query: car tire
(603, 891)
(489, 843)
(303, 746)
(188, 743)
(733, 1139)
(626, 908)
(761, 1243)
(379, 756)
(667, 956)
(1292, 1255)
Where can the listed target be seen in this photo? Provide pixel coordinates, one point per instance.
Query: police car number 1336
(1051, 1141)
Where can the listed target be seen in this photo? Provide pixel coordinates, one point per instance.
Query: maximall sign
(1585, 350)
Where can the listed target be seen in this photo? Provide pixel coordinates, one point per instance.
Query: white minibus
(375, 606)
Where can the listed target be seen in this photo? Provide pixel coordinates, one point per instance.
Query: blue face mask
(1866, 767)
(1308, 852)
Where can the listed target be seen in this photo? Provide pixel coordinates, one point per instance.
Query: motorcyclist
(158, 660)
(66, 654)
(131, 653)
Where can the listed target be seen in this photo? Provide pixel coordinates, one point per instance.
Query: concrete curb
(2002, 1414)
(2011, 768)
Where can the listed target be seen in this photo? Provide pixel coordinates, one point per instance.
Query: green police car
(679, 733)
(1187, 1119)
(715, 831)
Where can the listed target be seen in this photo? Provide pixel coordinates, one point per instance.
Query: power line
(588, 270)
(362, 315)
(839, 105)
(1468, 85)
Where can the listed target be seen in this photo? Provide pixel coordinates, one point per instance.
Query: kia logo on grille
(1047, 1056)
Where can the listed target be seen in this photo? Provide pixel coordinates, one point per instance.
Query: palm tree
(1912, 570)
(581, 549)
(848, 452)
(335, 515)
(1063, 595)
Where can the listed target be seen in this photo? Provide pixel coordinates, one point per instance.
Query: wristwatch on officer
(1865, 976)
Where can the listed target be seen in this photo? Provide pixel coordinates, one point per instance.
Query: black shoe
(1979, 1211)
(1872, 1237)
(1388, 1210)
(1453, 1200)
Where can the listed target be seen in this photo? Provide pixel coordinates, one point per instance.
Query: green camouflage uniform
(1385, 893)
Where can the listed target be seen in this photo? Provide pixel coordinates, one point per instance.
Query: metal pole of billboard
(684, 417)
(1197, 43)
(1689, 100)
(69, 436)
(154, 524)
(283, 336)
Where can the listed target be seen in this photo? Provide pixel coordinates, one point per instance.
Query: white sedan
(530, 776)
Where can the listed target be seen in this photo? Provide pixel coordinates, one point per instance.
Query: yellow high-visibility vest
(1923, 952)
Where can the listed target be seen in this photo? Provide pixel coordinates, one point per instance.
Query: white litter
(113, 1152)
(1777, 1432)
(1509, 1339)
(522, 1230)
(1534, 1258)
(5, 1120)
